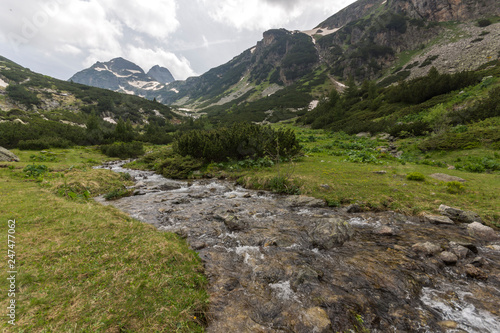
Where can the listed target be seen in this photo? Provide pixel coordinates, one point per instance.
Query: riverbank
(85, 267)
(348, 170)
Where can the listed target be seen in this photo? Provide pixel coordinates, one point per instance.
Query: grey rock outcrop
(482, 232)
(446, 178)
(459, 215)
(7, 156)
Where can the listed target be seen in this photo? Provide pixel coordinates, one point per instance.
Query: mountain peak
(122, 75)
(161, 74)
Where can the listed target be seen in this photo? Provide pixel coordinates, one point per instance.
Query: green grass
(84, 267)
(350, 182)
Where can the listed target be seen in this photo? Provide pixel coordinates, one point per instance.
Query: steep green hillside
(446, 108)
(34, 106)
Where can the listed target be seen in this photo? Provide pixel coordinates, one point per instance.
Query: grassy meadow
(84, 267)
(343, 170)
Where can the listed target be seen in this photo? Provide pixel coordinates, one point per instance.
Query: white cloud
(267, 14)
(147, 58)
(157, 18)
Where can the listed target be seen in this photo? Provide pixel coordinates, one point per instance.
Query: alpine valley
(287, 72)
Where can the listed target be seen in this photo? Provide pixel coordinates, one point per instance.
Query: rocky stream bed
(289, 264)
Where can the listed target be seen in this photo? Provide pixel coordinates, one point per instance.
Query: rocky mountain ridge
(124, 76)
(380, 40)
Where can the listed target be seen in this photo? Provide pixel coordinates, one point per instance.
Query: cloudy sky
(61, 37)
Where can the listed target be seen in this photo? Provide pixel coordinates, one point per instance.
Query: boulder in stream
(330, 233)
(427, 248)
(482, 232)
(459, 215)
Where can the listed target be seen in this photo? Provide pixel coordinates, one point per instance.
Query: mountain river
(290, 264)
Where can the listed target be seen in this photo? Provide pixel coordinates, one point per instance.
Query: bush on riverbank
(238, 142)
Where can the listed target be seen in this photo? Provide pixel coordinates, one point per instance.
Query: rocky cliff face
(445, 10)
(161, 74)
(372, 34)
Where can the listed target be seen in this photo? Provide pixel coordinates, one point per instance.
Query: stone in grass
(459, 215)
(446, 178)
(7, 156)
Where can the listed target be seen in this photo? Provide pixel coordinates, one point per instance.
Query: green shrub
(455, 187)
(22, 95)
(417, 176)
(479, 164)
(118, 193)
(282, 184)
(176, 166)
(240, 141)
(74, 192)
(44, 143)
(483, 23)
(43, 158)
(123, 150)
(35, 171)
(362, 157)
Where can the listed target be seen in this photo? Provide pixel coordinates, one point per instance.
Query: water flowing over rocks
(290, 264)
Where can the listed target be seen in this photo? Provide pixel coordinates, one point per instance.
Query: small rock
(138, 192)
(364, 135)
(353, 208)
(448, 324)
(459, 215)
(196, 245)
(314, 320)
(233, 223)
(438, 219)
(427, 248)
(468, 245)
(475, 272)
(460, 251)
(482, 232)
(479, 262)
(168, 187)
(330, 233)
(247, 195)
(380, 172)
(451, 167)
(446, 178)
(305, 275)
(140, 184)
(448, 258)
(384, 231)
(494, 247)
(384, 136)
(325, 186)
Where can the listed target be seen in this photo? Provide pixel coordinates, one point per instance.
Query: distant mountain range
(124, 76)
(385, 41)
(26, 96)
